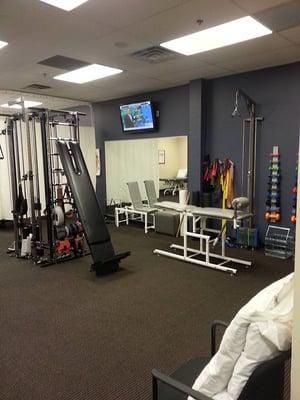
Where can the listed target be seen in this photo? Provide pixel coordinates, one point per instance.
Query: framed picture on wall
(161, 157)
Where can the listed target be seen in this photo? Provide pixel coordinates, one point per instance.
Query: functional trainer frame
(72, 211)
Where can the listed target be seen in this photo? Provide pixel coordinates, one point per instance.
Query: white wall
(129, 161)
(175, 156)
(182, 152)
(295, 385)
(5, 194)
(88, 146)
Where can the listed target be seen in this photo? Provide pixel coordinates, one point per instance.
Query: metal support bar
(43, 119)
(204, 241)
(13, 176)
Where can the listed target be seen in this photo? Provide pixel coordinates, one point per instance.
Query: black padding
(265, 383)
(96, 232)
(267, 380)
(186, 374)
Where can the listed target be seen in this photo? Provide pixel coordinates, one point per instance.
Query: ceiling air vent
(37, 86)
(155, 55)
(63, 62)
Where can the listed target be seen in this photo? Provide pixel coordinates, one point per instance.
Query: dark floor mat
(66, 334)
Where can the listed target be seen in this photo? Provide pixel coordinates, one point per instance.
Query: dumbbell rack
(273, 194)
(294, 199)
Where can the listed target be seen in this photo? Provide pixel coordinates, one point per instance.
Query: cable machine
(252, 121)
(48, 225)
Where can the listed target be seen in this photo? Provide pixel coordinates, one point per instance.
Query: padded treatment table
(220, 213)
(201, 214)
(177, 182)
(96, 232)
(172, 205)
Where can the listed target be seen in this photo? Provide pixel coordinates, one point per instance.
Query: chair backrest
(151, 192)
(135, 195)
(182, 173)
(267, 381)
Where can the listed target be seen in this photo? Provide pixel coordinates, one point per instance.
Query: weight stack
(273, 193)
(294, 198)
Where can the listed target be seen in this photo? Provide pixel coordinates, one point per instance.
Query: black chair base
(268, 381)
(186, 374)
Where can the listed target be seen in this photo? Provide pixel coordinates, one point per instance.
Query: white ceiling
(108, 31)
(55, 103)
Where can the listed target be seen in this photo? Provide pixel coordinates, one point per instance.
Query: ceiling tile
(108, 31)
(244, 50)
(120, 13)
(20, 17)
(118, 43)
(277, 57)
(292, 34)
(173, 66)
(280, 18)
(208, 71)
(253, 6)
(182, 20)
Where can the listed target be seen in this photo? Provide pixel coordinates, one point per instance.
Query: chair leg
(116, 218)
(146, 223)
(154, 388)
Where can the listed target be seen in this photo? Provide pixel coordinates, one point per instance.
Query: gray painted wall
(173, 105)
(277, 94)
(203, 110)
(196, 136)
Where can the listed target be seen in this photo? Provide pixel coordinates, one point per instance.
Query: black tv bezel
(133, 131)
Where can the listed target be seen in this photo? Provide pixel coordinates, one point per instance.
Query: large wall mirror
(143, 159)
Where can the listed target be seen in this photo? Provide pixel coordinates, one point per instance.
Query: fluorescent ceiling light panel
(67, 5)
(89, 73)
(3, 44)
(232, 32)
(27, 104)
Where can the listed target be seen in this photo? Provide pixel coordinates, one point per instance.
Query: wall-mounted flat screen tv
(137, 117)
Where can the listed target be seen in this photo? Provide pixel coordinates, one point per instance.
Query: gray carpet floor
(66, 334)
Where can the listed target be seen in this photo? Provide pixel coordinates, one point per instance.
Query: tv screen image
(137, 116)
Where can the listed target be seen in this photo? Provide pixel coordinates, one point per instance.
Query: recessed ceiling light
(3, 44)
(27, 104)
(236, 31)
(66, 5)
(88, 74)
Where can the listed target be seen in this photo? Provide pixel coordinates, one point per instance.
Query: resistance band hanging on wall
(218, 182)
(295, 191)
(227, 183)
(273, 193)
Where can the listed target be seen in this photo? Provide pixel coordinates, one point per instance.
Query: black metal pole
(48, 197)
(37, 200)
(13, 178)
(30, 176)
